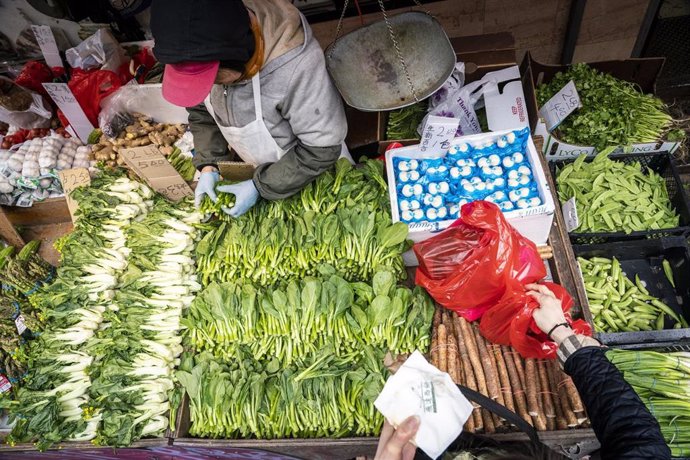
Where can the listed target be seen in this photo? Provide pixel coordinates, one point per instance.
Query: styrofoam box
(533, 223)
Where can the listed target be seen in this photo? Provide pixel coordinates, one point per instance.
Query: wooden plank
(8, 232)
(45, 212)
(313, 449)
(567, 273)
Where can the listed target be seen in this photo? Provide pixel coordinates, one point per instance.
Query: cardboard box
(643, 72)
(533, 223)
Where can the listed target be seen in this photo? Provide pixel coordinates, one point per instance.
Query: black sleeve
(622, 423)
(210, 146)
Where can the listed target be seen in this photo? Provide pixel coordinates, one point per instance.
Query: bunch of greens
(341, 219)
(325, 396)
(662, 381)
(403, 123)
(26, 270)
(11, 302)
(182, 163)
(613, 196)
(300, 318)
(613, 113)
(138, 345)
(227, 200)
(49, 407)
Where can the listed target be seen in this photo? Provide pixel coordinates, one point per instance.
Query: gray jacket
(301, 108)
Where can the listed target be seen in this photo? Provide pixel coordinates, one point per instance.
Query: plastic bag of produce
(90, 88)
(99, 51)
(22, 108)
(510, 321)
(468, 266)
(33, 75)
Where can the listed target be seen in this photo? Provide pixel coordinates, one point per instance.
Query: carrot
(533, 394)
(503, 377)
(520, 367)
(437, 317)
(473, 354)
(573, 396)
(442, 348)
(547, 397)
(492, 382)
(452, 356)
(551, 370)
(489, 426)
(568, 413)
(434, 348)
(468, 373)
(518, 391)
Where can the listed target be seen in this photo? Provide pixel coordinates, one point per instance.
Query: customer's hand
(206, 186)
(246, 195)
(549, 313)
(395, 444)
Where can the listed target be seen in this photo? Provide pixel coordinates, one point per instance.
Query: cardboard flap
(149, 164)
(236, 171)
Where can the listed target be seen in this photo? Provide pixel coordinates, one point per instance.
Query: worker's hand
(549, 313)
(206, 186)
(246, 195)
(395, 444)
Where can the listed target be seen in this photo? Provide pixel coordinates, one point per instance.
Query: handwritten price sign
(70, 180)
(65, 100)
(149, 164)
(46, 41)
(437, 134)
(562, 104)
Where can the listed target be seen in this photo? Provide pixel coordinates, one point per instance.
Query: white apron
(253, 142)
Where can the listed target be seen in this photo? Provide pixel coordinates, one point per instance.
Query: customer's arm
(622, 423)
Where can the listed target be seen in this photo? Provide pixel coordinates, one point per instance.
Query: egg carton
(533, 220)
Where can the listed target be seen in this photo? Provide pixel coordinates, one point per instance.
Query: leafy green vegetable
(613, 113)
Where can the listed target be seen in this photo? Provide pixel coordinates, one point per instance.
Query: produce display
(613, 113)
(341, 219)
(612, 196)
(403, 123)
(325, 396)
(537, 390)
(139, 131)
(29, 173)
(434, 189)
(103, 365)
(23, 273)
(21, 135)
(662, 380)
(302, 317)
(620, 305)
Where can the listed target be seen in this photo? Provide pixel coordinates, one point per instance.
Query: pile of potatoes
(144, 131)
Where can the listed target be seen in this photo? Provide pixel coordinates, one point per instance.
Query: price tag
(21, 325)
(46, 41)
(149, 164)
(5, 384)
(71, 179)
(562, 104)
(65, 100)
(437, 134)
(570, 215)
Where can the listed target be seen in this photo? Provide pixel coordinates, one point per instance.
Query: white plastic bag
(454, 82)
(461, 104)
(100, 50)
(37, 115)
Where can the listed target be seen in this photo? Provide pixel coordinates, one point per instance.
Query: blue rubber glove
(246, 196)
(206, 186)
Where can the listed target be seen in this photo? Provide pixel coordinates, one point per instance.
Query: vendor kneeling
(253, 78)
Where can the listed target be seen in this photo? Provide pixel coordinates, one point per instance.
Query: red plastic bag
(33, 74)
(468, 266)
(90, 88)
(510, 322)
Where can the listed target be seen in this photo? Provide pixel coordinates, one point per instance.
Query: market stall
(130, 318)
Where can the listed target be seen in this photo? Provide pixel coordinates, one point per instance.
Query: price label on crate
(149, 164)
(65, 100)
(21, 325)
(46, 41)
(570, 215)
(5, 384)
(437, 134)
(71, 179)
(562, 104)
